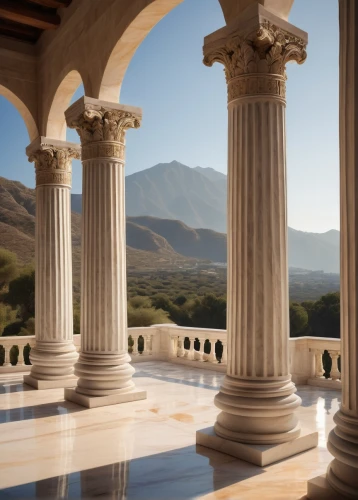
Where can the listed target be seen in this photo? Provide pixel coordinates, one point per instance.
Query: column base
(318, 488)
(97, 401)
(49, 384)
(257, 454)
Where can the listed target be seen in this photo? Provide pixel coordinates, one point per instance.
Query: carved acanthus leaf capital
(54, 165)
(263, 52)
(95, 125)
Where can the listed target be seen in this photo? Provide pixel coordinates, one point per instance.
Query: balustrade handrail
(308, 355)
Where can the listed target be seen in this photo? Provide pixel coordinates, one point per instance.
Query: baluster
(319, 363)
(149, 345)
(335, 375)
(173, 347)
(212, 356)
(20, 358)
(7, 355)
(201, 351)
(181, 350)
(135, 345)
(145, 344)
(224, 355)
(191, 354)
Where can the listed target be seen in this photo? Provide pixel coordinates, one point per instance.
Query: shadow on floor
(38, 411)
(173, 380)
(180, 474)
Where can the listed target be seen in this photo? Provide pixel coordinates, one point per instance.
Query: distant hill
(161, 242)
(211, 174)
(145, 249)
(314, 251)
(199, 243)
(175, 191)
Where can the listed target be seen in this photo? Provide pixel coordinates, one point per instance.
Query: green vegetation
(8, 267)
(142, 313)
(194, 298)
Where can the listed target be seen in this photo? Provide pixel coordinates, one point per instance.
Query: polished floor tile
(50, 448)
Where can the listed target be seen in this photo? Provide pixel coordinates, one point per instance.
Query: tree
(28, 328)
(298, 320)
(325, 316)
(8, 267)
(180, 300)
(76, 320)
(209, 311)
(141, 313)
(22, 293)
(7, 316)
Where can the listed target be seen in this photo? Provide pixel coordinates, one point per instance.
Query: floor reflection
(180, 474)
(38, 411)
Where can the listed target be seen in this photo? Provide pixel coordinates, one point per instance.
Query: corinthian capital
(53, 160)
(255, 61)
(102, 126)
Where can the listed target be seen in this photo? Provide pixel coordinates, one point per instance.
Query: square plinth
(96, 401)
(49, 384)
(318, 488)
(257, 454)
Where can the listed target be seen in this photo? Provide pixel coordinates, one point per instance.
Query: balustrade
(326, 363)
(14, 353)
(314, 360)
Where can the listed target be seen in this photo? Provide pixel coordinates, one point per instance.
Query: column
(341, 480)
(54, 354)
(257, 399)
(103, 369)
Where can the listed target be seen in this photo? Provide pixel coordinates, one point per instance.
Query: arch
(127, 45)
(56, 123)
(145, 21)
(23, 110)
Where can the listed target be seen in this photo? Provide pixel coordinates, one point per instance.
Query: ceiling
(26, 20)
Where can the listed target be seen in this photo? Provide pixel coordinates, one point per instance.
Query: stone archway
(23, 110)
(56, 124)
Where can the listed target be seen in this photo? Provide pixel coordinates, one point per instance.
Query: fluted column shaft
(104, 364)
(257, 397)
(257, 240)
(103, 306)
(54, 354)
(53, 257)
(343, 440)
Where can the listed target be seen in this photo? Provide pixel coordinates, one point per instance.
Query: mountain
(196, 196)
(175, 191)
(315, 251)
(145, 249)
(211, 174)
(159, 242)
(199, 243)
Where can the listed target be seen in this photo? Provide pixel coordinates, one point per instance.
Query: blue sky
(185, 116)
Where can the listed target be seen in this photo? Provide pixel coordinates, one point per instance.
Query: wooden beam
(20, 38)
(53, 4)
(21, 12)
(19, 29)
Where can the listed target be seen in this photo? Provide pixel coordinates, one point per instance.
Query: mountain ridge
(159, 241)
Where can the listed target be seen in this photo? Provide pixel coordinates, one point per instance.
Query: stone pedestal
(342, 474)
(257, 399)
(103, 369)
(54, 353)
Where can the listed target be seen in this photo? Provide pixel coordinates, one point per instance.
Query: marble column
(104, 370)
(54, 354)
(257, 399)
(341, 480)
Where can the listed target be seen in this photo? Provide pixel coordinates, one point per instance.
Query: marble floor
(50, 448)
